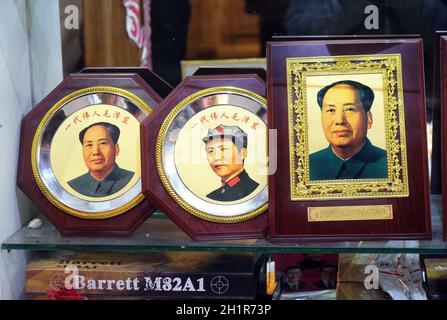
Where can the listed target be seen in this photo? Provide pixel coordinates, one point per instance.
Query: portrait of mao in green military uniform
(346, 118)
(226, 150)
(100, 149)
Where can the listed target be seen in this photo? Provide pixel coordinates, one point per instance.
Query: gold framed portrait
(211, 154)
(346, 127)
(86, 152)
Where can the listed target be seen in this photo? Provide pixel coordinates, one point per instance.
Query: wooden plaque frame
(155, 184)
(160, 86)
(67, 220)
(409, 212)
(442, 38)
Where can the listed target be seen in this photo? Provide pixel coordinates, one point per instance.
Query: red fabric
(146, 54)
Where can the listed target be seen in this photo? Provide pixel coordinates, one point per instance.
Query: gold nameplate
(345, 213)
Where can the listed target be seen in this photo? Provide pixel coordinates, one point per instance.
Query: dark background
(199, 30)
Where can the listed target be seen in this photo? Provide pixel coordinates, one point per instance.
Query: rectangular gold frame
(396, 185)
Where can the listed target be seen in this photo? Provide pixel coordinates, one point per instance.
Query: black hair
(366, 94)
(239, 142)
(114, 131)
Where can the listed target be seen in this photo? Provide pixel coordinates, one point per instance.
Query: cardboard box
(174, 274)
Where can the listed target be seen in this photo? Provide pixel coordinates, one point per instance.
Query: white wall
(30, 67)
(45, 47)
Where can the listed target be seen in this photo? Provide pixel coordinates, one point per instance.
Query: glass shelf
(160, 234)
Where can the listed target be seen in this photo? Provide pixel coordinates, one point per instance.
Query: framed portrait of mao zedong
(352, 152)
(80, 153)
(209, 170)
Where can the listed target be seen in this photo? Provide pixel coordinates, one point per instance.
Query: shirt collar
(105, 183)
(353, 165)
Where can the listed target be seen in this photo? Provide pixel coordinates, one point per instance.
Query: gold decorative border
(36, 145)
(396, 185)
(159, 159)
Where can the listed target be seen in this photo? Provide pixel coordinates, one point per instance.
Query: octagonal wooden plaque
(79, 158)
(209, 169)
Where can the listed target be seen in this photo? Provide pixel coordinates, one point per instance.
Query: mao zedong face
(345, 121)
(293, 275)
(224, 158)
(99, 151)
(226, 150)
